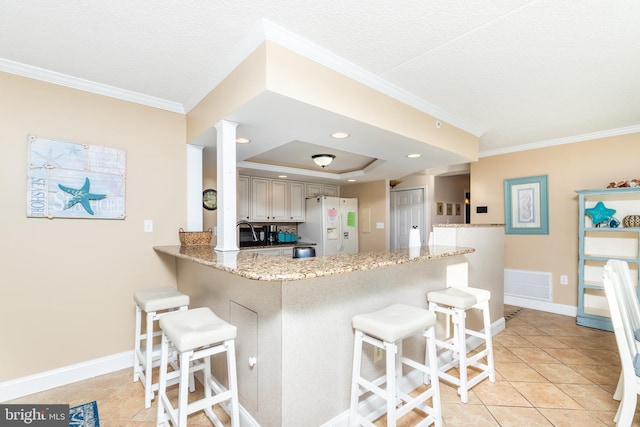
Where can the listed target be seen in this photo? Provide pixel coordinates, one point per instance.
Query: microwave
(246, 237)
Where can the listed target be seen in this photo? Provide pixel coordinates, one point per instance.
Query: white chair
(197, 335)
(386, 329)
(455, 301)
(625, 316)
(155, 303)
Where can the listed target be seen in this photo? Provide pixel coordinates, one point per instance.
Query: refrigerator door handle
(340, 235)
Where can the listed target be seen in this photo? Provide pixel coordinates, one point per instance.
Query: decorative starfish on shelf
(82, 196)
(599, 213)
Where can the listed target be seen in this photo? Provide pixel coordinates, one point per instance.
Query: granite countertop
(257, 266)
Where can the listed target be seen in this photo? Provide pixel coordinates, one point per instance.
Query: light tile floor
(549, 372)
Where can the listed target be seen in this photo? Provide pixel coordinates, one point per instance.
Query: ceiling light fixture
(323, 160)
(414, 156)
(340, 135)
(243, 140)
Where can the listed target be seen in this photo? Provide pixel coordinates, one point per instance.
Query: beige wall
(66, 287)
(450, 190)
(570, 167)
(372, 198)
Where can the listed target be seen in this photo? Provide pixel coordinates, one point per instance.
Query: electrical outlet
(564, 280)
(377, 354)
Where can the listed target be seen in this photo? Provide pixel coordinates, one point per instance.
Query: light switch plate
(380, 225)
(148, 225)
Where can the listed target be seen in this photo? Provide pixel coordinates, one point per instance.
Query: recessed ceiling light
(351, 180)
(340, 135)
(414, 156)
(243, 140)
(282, 176)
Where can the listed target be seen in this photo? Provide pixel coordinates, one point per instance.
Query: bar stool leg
(233, 383)
(391, 352)
(183, 394)
(460, 328)
(355, 374)
(489, 340)
(162, 382)
(432, 356)
(148, 375)
(136, 345)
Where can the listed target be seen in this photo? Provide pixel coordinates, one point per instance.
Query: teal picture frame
(526, 205)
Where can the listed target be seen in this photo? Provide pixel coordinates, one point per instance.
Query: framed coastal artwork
(526, 205)
(449, 209)
(439, 208)
(73, 180)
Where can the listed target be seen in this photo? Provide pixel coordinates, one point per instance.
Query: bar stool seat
(197, 334)
(155, 303)
(455, 301)
(386, 329)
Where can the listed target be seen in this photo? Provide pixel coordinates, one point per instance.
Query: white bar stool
(155, 303)
(455, 301)
(386, 329)
(197, 334)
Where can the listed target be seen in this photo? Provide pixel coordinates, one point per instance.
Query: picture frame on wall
(439, 208)
(458, 210)
(526, 205)
(449, 209)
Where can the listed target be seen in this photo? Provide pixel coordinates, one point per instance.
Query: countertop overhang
(258, 266)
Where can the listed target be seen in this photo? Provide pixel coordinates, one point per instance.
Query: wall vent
(536, 285)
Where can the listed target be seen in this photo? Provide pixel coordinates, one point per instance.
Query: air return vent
(535, 285)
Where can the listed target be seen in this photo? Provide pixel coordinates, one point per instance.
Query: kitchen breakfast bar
(295, 341)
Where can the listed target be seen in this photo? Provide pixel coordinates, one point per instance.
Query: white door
(407, 210)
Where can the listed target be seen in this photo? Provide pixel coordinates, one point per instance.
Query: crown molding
(561, 141)
(41, 74)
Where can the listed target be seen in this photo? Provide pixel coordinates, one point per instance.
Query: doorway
(407, 210)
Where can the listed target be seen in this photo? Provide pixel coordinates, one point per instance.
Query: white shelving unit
(599, 244)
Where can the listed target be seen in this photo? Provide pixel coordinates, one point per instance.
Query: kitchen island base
(295, 340)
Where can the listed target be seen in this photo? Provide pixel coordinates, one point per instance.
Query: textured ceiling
(515, 73)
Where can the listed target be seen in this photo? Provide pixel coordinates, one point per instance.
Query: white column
(226, 175)
(194, 187)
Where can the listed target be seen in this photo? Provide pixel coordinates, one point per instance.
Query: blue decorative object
(614, 223)
(600, 213)
(81, 196)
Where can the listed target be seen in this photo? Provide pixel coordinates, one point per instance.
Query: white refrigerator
(332, 224)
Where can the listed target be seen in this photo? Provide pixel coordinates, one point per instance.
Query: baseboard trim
(549, 307)
(31, 384)
(36, 383)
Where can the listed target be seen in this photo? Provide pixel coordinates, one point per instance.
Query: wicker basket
(195, 238)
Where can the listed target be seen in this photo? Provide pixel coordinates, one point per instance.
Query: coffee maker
(270, 234)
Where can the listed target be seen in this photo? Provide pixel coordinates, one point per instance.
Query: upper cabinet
(296, 201)
(244, 202)
(271, 200)
(315, 190)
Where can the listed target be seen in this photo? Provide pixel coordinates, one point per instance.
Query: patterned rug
(85, 415)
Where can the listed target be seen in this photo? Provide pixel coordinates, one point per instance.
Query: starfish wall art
(71, 180)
